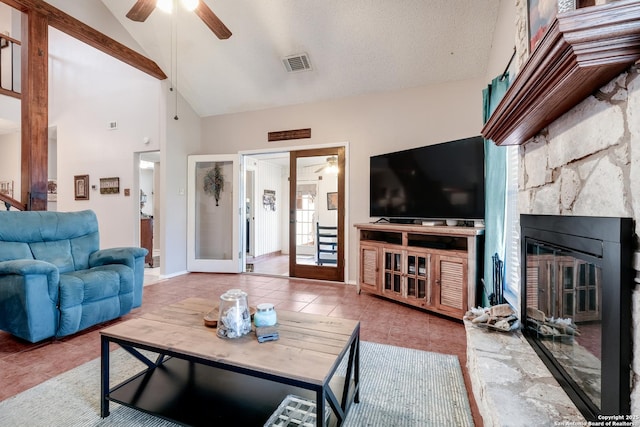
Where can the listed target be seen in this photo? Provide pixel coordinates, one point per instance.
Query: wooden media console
(437, 268)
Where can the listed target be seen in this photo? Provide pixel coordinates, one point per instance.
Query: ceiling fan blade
(212, 21)
(140, 11)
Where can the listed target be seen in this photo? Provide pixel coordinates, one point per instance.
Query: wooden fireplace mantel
(582, 51)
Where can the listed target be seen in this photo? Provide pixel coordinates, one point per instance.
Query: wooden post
(35, 110)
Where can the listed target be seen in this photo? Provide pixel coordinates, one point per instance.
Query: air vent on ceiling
(295, 63)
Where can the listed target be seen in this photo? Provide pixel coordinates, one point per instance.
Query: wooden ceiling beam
(79, 30)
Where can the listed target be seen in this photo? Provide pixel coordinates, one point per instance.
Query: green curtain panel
(495, 188)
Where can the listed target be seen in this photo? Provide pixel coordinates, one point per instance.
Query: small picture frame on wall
(81, 187)
(332, 201)
(110, 185)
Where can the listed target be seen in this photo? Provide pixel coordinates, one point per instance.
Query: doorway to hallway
(270, 201)
(150, 220)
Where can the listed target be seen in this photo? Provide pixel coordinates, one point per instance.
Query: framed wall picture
(81, 187)
(110, 185)
(332, 201)
(541, 13)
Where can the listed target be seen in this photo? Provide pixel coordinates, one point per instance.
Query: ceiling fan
(141, 10)
(331, 165)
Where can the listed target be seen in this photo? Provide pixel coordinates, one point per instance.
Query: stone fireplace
(576, 305)
(579, 155)
(587, 163)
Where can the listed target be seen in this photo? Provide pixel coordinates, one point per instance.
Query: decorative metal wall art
(214, 182)
(110, 185)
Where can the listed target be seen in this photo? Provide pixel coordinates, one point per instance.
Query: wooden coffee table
(201, 379)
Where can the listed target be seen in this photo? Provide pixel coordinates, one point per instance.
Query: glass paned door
(316, 214)
(213, 232)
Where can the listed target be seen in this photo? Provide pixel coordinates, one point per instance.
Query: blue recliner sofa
(55, 280)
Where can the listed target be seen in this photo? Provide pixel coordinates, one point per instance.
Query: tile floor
(24, 365)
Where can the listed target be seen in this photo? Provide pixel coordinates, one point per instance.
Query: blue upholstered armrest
(31, 268)
(24, 267)
(126, 256)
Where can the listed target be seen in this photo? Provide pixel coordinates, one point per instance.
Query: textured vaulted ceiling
(355, 47)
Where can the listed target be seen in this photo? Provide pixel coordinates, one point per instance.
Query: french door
(316, 202)
(213, 214)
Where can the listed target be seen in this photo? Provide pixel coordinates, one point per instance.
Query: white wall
(10, 161)
(52, 165)
(329, 184)
(268, 176)
(181, 139)
(157, 197)
(95, 14)
(10, 111)
(504, 40)
(372, 124)
(87, 90)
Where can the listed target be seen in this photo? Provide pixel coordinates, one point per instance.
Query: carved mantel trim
(582, 51)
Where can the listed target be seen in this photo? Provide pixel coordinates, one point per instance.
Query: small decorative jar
(265, 315)
(234, 318)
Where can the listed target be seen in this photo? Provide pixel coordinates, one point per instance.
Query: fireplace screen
(563, 312)
(576, 305)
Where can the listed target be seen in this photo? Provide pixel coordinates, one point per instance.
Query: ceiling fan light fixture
(141, 10)
(331, 166)
(165, 5)
(190, 5)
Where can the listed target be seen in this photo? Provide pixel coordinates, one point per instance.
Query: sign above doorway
(285, 135)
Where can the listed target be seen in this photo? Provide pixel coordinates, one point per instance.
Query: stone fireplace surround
(585, 162)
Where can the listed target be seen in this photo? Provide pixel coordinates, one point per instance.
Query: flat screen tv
(436, 182)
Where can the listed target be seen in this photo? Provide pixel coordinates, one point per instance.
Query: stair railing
(10, 202)
(10, 52)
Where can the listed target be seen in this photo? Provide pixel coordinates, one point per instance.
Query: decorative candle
(265, 315)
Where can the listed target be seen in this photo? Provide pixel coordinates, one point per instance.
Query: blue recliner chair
(55, 280)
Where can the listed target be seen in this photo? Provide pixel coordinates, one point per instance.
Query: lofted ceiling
(354, 46)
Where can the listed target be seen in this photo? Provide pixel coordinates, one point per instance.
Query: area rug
(399, 387)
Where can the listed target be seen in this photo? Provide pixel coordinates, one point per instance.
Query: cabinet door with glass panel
(418, 277)
(407, 274)
(392, 276)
